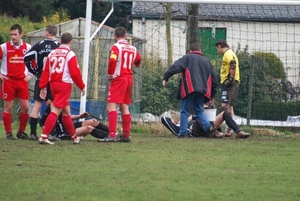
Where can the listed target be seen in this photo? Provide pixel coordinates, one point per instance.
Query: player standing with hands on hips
(34, 60)
(14, 77)
(122, 58)
(61, 70)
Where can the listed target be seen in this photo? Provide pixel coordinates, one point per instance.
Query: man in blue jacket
(198, 81)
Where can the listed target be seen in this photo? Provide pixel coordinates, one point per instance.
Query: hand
(110, 78)
(83, 92)
(83, 115)
(211, 103)
(228, 81)
(43, 93)
(3, 77)
(164, 82)
(27, 77)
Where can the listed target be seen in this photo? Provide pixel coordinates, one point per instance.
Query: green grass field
(151, 167)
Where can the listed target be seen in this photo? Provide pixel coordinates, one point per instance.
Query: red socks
(69, 125)
(7, 122)
(49, 125)
(126, 122)
(23, 121)
(112, 123)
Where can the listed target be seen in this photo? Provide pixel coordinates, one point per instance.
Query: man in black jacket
(198, 80)
(34, 60)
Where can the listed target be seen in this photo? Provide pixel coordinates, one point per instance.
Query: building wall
(282, 39)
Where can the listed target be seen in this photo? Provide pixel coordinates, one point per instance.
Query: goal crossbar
(237, 2)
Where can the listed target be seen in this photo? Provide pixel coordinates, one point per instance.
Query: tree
(35, 10)
(192, 25)
(168, 7)
(99, 12)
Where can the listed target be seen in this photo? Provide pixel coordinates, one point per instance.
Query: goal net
(265, 38)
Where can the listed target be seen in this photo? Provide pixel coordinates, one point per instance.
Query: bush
(157, 99)
(270, 110)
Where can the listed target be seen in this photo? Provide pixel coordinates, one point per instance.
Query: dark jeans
(196, 99)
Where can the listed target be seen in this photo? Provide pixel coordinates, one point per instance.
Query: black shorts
(197, 130)
(77, 124)
(37, 90)
(230, 93)
(64, 134)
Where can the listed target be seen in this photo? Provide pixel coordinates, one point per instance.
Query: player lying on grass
(196, 130)
(90, 126)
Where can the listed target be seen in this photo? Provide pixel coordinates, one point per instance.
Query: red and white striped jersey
(62, 66)
(122, 57)
(12, 59)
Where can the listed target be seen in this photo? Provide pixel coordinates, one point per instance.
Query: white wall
(281, 39)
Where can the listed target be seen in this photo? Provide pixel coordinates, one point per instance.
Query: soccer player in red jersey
(61, 70)
(14, 76)
(123, 57)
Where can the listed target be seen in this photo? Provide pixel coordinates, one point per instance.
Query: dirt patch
(266, 132)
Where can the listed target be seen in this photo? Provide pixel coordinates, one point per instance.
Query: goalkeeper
(90, 126)
(230, 79)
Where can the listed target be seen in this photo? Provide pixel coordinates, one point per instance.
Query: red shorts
(120, 90)
(12, 89)
(61, 93)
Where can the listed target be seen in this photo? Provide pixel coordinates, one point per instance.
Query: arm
(232, 67)
(112, 62)
(45, 75)
(178, 67)
(30, 60)
(45, 79)
(80, 116)
(2, 50)
(138, 59)
(75, 73)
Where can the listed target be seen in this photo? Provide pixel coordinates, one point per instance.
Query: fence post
(250, 91)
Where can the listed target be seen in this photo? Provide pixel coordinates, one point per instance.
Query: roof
(221, 12)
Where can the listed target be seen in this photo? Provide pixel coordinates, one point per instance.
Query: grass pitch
(151, 167)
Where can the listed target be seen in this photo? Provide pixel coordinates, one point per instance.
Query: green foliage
(27, 25)
(57, 17)
(273, 66)
(265, 82)
(270, 110)
(7, 22)
(157, 99)
(35, 10)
